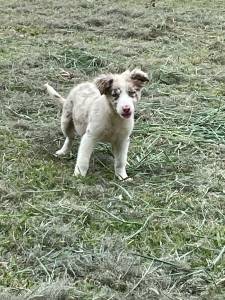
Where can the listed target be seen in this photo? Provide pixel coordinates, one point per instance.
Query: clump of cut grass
(80, 59)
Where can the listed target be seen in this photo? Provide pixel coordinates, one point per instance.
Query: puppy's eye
(115, 93)
(132, 93)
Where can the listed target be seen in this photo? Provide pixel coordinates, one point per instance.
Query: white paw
(60, 152)
(124, 177)
(79, 171)
(129, 179)
(76, 173)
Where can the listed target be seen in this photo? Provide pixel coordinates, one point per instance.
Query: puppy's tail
(53, 93)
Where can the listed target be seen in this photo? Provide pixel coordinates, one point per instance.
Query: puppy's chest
(115, 131)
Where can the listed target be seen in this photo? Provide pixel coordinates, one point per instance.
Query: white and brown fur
(102, 110)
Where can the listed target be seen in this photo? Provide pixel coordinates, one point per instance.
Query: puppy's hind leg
(65, 148)
(67, 127)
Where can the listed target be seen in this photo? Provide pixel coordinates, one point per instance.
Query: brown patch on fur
(104, 83)
(138, 78)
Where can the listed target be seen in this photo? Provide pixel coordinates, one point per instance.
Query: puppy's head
(122, 90)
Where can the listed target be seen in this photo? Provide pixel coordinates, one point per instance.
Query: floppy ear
(138, 78)
(104, 83)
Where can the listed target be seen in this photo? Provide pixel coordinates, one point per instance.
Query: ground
(161, 236)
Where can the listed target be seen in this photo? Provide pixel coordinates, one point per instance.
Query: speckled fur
(95, 111)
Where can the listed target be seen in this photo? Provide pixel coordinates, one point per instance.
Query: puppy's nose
(126, 109)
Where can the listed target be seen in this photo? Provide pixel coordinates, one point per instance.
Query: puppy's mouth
(126, 115)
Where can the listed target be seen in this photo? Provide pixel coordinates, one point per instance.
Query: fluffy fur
(102, 110)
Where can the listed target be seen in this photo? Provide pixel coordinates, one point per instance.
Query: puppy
(102, 110)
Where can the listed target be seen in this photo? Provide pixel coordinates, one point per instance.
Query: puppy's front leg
(84, 153)
(120, 149)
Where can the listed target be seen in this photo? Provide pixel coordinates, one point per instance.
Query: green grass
(161, 236)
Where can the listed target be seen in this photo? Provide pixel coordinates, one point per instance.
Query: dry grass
(158, 237)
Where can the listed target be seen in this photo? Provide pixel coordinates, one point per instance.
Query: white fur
(91, 111)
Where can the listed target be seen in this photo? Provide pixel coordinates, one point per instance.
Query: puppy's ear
(104, 83)
(138, 78)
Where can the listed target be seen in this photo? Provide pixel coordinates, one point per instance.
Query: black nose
(126, 109)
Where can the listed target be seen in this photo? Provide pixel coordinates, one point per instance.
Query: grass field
(161, 236)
